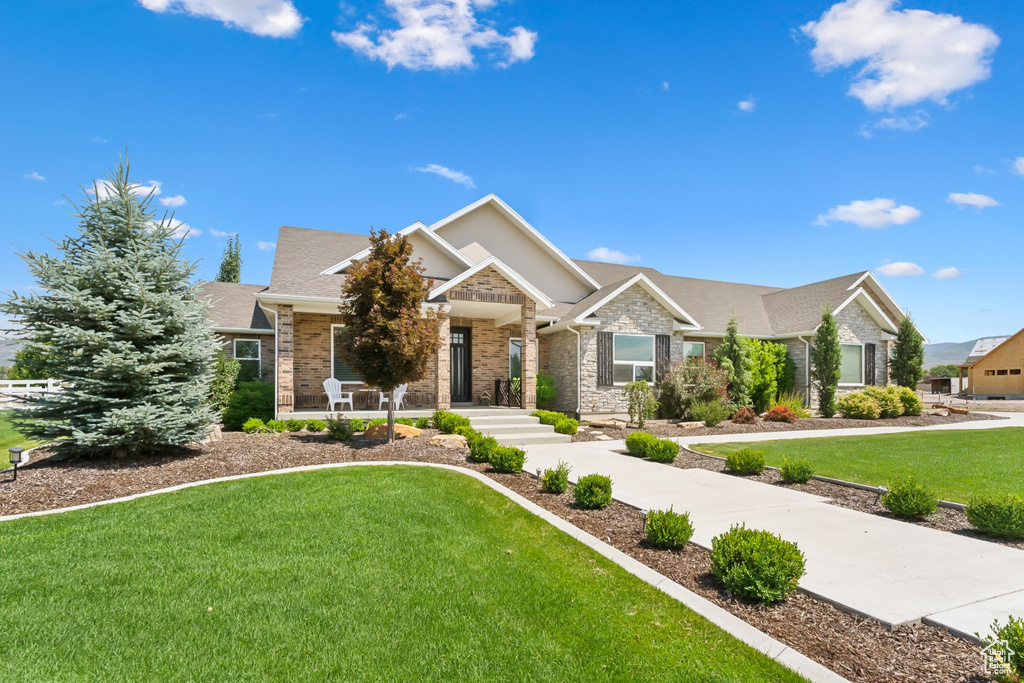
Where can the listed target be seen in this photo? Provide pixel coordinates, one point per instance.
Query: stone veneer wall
(559, 353)
(856, 326)
(266, 351)
(636, 312)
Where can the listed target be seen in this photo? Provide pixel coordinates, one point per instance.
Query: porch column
(529, 354)
(285, 360)
(443, 378)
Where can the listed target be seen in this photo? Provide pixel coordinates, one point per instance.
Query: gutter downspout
(579, 371)
(807, 370)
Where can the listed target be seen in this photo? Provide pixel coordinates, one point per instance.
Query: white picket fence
(13, 389)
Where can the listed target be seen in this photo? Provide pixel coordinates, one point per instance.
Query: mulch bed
(667, 428)
(858, 649)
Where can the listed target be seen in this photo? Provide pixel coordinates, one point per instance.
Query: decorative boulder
(449, 441)
(609, 424)
(380, 432)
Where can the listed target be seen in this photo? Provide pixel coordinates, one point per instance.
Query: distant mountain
(8, 347)
(948, 352)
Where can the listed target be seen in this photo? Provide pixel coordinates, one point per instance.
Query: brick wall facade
(266, 351)
(285, 360)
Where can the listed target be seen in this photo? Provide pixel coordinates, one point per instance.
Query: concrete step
(499, 420)
(504, 429)
(490, 412)
(530, 438)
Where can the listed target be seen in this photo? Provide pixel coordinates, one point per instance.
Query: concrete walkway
(892, 571)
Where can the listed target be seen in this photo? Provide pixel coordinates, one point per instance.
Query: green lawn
(956, 464)
(369, 573)
(9, 436)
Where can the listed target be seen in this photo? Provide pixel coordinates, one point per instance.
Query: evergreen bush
(733, 356)
(744, 416)
(254, 425)
(997, 515)
(640, 443)
(508, 459)
(668, 530)
(889, 404)
(912, 403)
(710, 413)
(780, 413)
(546, 390)
(593, 491)
(556, 480)
(407, 421)
(826, 363)
(796, 471)
(294, 425)
(250, 399)
(548, 417)
(483, 448)
(446, 421)
(745, 461)
(567, 425)
(756, 565)
(908, 499)
(664, 450)
(906, 367)
(225, 377)
(859, 406)
(423, 423)
(277, 425)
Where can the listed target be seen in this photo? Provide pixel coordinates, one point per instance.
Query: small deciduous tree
(386, 337)
(640, 401)
(733, 356)
(231, 261)
(117, 317)
(907, 364)
(826, 363)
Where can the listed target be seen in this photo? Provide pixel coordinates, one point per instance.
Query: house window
(340, 370)
(990, 373)
(633, 358)
(515, 357)
(851, 370)
(247, 353)
(1001, 372)
(1015, 371)
(693, 350)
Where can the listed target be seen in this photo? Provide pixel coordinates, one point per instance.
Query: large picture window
(247, 353)
(693, 350)
(340, 370)
(851, 370)
(633, 358)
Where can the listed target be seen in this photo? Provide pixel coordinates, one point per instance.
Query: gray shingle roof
(234, 306)
(303, 253)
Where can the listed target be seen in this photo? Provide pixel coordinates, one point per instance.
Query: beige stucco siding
(438, 264)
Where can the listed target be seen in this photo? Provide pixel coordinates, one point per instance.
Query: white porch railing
(13, 389)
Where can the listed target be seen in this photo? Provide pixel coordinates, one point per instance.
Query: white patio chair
(335, 395)
(399, 396)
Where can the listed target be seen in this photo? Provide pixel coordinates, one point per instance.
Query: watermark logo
(997, 657)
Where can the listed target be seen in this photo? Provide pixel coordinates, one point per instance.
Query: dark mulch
(858, 649)
(664, 428)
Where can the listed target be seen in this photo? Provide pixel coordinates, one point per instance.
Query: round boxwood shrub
(446, 422)
(1001, 516)
(912, 403)
(567, 425)
(796, 471)
(254, 425)
(483, 448)
(663, 450)
(593, 491)
(858, 406)
(250, 399)
(556, 480)
(908, 499)
(745, 461)
(423, 423)
(316, 425)
(756, 565)
(667, 529)
(639, 443)
(508, 459)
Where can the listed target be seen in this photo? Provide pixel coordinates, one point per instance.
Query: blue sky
(774, 143)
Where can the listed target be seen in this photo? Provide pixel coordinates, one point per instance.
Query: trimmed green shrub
(508, 459)
(912, 403)
(377, 421)
(446, 421)
(358, 424)
(908, 499)
(889, 404)
(1013, 635)
(548, 417)
(593, 491)
(294, 425)
(745, 461)
(546, 390)
(567, 425)
(640, 443)
(780, 413)
(468, 432)
(225, 377)
(250, 399)
(556, 480)
(858, 406)
(339, 430)
(316, 425)
(667, 529)
(277, 425)
(794, 400)
(664, 450)
(407, 421)
(711, 412)
(640, 401)
(796, 471)
(483, 448)
(423, 423)
(254, 425)
(756, 565)
(997, 515)
(744, 416)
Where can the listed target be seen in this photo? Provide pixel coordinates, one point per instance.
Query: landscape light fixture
(16, 458)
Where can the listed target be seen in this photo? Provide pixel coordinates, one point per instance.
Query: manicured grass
(955, 463)
(368, 573)
(9, 436)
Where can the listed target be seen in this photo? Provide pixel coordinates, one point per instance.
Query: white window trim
(703, 345)
(259, 354)
(861, 382)
(333, 326)
(635, 363)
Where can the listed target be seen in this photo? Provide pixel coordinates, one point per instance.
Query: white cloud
(266, 246)
(607, 255)
(978, 201)
(1018, 166)
(900, 269)
(104, 190)
(437, 34)
(445, 172)
(174, 200)
(909, 55)
(748, 105)
(401, 116)
(179, 229)
(907, 124)
(220, 233)
(870, 213)
(270, 18)
(33, 176)
(665, 85)
(982, 170)
(947, 273)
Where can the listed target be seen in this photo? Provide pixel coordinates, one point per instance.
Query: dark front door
(462, 386)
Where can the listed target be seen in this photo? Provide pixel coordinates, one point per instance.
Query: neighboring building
(511, 304)
(997, 372)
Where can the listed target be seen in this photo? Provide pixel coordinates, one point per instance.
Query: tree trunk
(391, 415)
